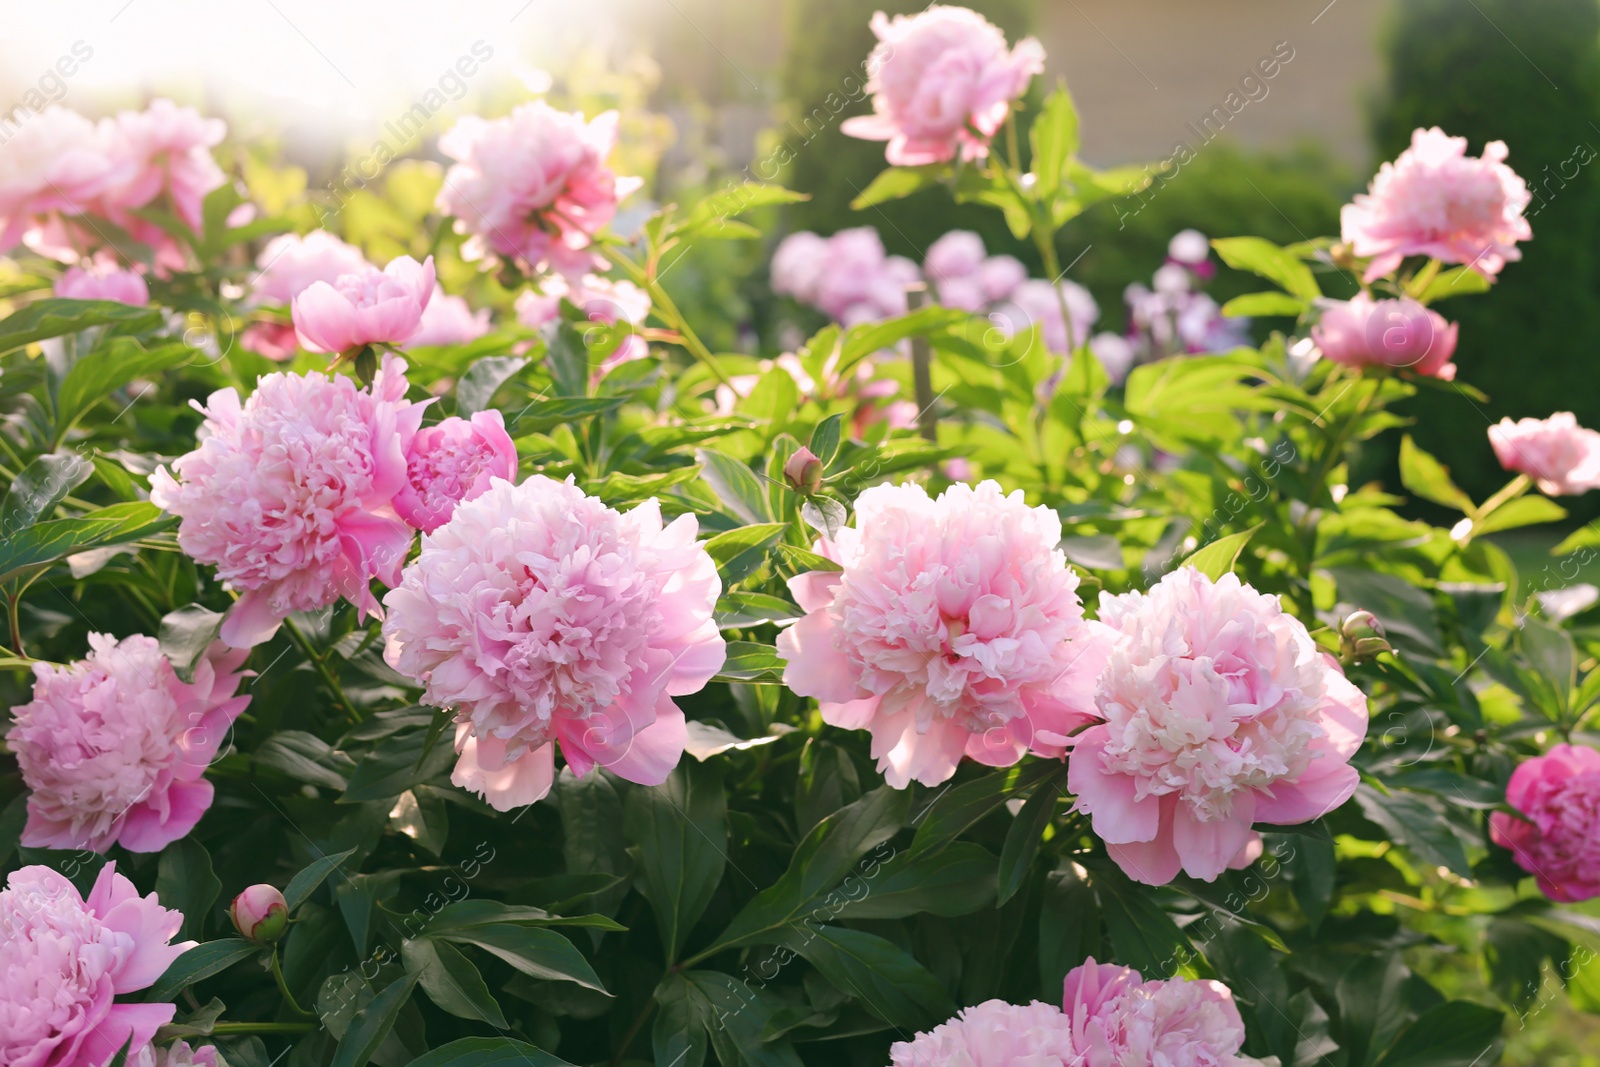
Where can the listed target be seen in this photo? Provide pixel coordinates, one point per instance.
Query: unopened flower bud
(803, 472)
(260, 913)
(1361, 636)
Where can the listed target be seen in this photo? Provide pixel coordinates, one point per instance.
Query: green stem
(283, 987)
(321, 665)
(16, 626)
(263, 1028)
(633, 1031)
(668, 312)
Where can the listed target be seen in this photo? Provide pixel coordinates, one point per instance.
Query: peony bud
(1361, 636)
(803, 472)
(260, 913)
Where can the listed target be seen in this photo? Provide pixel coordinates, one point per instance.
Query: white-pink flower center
(1205, 698)
(56, 958)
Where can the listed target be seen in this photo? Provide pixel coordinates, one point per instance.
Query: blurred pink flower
(1117, 1019)
(365, 307)
(453, 461)
(114, 748)
(1036, 302)
(65, 959)
(955, 255)
(1435, 200)
(93, 280)
(1399, 334)
(954, 628)
(1557, 837)
(992, 1034)
(449, 320)
(164, 150)
(1000, 276)
(534, 185)
(847, 277)
(1219, 711)
(57, 163)
(544, 617)
(942, 82)
(1557, 453)
(290, 495)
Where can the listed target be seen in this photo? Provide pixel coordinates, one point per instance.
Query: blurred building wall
(1145, 73)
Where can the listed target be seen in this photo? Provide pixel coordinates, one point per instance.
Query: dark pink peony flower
(453, 461)
(1557, 839)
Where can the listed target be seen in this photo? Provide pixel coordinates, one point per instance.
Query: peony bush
(462, 662)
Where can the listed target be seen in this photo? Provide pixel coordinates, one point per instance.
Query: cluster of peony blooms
(113, 749)
(66, 958)
(60, 169)
(1437, 201)
(942, 83)
(847, 277)
(1555, 833)
(953, 628)
(546, 619)
(1173, 315)
(1561, 457)
(312, 487)
(534, 187)
(1110, 1017)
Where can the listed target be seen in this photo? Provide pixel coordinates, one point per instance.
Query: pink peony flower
(114, 748)
(287, 267)
(1117, 1019)
(544, 617)
(1557, 453)
(1036, 302)
(1190, 248)
(533, 185)
(65, 959)
(942, 84)
(366, 307)
(1218, 711)
(103, 281)
(954, 628)
(449, 320)
(260, 913)
(1557, 839)
(603, 300)
(1000, 277)
(1437, 201)
(165, 149)
(1363, 332)
(57, 163)
(453, 461)
(952, 265)
(992, 1034)
(291, 495)
(1115, 353)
